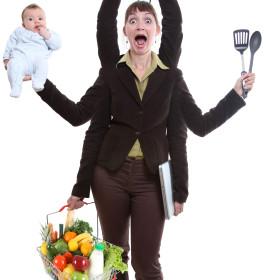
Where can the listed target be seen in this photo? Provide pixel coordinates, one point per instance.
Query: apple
(80, 263)
(76, 275)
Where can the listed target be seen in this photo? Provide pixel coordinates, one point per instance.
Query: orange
(69, 235)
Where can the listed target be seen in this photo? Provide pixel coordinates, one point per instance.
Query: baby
(28, 49)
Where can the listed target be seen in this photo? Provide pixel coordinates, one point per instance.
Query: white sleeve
(54, 41)
(10, 45)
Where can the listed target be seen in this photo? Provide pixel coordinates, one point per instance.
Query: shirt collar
(156, 62)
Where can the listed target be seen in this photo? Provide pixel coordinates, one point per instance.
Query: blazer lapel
(127, 78)
(155, 80)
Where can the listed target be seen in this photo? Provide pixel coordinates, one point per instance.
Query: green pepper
(61, 246)
(52, 251)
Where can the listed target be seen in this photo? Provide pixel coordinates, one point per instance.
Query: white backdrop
(230, 227)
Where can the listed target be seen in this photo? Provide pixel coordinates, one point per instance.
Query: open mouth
(140, 40)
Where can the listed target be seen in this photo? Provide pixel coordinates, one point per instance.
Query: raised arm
(172, 36)
(75, 113)
(203, 123)
(54, 42)
(107, 33)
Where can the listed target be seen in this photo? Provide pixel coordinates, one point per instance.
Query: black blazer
(117, 110)
(108, 51)
(119, 118)
(169, 52)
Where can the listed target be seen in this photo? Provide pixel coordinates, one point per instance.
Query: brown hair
(30, 7)
(142, 6)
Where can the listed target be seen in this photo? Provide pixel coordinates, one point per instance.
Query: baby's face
(34, 19)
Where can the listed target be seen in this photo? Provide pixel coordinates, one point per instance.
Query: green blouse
(141, 85)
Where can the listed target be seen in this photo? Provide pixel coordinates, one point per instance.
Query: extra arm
(184, 113)
(172, 36)
(92, 144)
(75, 113)
(107, 33)
(177, 135)
(202, 124)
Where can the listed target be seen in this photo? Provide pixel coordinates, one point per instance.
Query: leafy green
(80, 226)
(113, 259)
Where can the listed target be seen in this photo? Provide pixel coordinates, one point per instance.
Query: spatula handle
(245, 91)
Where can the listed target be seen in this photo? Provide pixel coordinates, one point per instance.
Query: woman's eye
(148, 20)
(132, 21)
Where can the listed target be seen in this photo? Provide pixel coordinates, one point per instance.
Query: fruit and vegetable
(70, 252)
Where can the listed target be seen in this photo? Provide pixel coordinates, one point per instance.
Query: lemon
(44, 249)
(73, 245)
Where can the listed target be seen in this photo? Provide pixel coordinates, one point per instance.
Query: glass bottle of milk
(96, 261)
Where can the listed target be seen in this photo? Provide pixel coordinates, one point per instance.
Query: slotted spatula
(241, 42)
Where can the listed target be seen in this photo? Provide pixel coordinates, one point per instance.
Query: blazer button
(137, 133)
(140, 112)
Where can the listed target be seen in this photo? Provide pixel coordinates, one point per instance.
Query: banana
(86, 240)
(74, 243)
(81, 236)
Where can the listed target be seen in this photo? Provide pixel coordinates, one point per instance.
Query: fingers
(246, 81)
(249, 80)
(178, 208)
(26, 78)
(6, 63)
(75, 202)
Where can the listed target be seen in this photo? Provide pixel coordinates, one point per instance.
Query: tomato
(68, 256)
(59, 262)
(76, 275)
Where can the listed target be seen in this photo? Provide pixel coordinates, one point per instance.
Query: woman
(126, 188)
(78, 113)
(109, 54)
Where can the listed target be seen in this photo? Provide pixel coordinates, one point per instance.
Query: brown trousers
(131, 196)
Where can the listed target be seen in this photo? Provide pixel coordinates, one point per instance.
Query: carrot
(53, 236)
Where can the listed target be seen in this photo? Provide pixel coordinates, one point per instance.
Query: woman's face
(141, 29)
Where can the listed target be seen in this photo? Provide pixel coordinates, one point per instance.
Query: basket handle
(64, 206)
(67, 205)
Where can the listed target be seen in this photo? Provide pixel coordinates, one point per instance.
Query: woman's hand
(75, 202)
(5, 61)
(26, 78)
(178, 208)
(247, 80)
